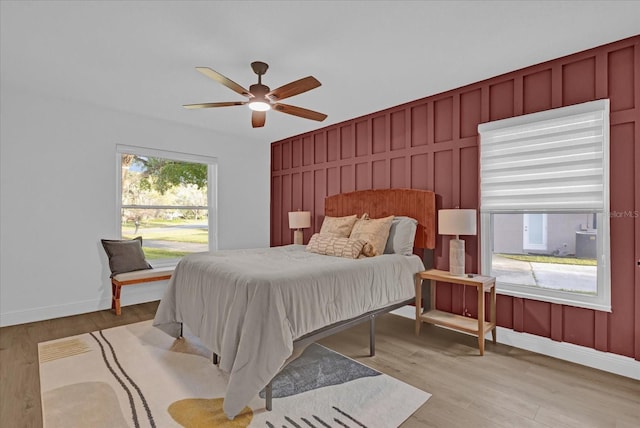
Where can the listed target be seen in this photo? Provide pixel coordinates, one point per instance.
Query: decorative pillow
(401, 236)
(338, 226)
(335, 246)
(125, 255)
(374, 231)
(368, 250)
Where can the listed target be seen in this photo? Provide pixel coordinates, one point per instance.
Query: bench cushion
(144, 274)
(125, 255)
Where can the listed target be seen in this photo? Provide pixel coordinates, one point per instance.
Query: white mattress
(248, 306)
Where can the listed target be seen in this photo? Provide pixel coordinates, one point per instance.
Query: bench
(135, 277)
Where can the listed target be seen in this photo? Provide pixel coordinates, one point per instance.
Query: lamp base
(456, 257)
(298, 237)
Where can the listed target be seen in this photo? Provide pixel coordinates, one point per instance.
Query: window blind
(555, 160)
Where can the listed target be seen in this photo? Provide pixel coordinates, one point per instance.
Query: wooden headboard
(418, 204)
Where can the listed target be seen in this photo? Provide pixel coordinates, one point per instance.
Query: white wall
(58, 198)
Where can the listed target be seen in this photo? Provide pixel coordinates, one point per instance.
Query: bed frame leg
(181, 331)
(372, 336)
(268, 396)
(215, 359)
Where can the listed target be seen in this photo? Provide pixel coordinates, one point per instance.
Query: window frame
(601, 301)
(212, 181)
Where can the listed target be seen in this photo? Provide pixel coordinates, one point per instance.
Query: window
(167, 198)
(544, 205)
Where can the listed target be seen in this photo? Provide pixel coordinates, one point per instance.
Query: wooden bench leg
(115, 297)
(117, 284)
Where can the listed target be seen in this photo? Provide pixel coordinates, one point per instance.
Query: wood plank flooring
(507, 387)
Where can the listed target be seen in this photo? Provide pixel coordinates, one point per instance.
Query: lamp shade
(457, 222)
(299, 219)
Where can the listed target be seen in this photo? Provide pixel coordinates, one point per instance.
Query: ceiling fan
(261, 97)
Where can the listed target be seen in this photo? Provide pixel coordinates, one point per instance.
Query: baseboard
(613, 363)
(606, 361)
(130, 295)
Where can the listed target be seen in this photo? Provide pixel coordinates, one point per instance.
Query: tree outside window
(166, 201)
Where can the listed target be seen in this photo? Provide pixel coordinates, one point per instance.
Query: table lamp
(456, 222)
(299, 220)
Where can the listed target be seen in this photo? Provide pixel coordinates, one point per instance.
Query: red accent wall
(432, 143)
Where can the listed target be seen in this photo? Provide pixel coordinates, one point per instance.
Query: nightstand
(479, 326)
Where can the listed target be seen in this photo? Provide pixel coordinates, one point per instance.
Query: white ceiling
(139, 56)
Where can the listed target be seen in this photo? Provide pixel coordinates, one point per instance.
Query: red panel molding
(432, 144)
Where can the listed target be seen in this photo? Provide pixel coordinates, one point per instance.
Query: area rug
(138, 376)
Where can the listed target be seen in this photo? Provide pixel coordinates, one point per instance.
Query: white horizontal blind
(556, 160)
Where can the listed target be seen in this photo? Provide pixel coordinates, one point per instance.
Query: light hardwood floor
(507, 387)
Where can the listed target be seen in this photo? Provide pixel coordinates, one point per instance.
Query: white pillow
(401, 236)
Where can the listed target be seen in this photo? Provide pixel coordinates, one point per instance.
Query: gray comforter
(248, 306)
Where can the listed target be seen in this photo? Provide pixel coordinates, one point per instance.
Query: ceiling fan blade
(224, 80)
(294, 88)
(299, 111)
(258, 118)
(210, 105)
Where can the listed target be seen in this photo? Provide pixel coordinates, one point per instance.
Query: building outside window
(544, 210)
(168, 199)
(553, 251)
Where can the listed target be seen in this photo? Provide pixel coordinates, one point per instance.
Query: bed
(252, 307)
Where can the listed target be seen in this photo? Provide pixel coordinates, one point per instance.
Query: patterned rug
(137, 376)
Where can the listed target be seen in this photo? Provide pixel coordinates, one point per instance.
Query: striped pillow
(335, 246)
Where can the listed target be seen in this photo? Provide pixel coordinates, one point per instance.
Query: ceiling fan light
(259, 106)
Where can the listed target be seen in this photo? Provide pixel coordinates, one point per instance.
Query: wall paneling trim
(432, 144)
